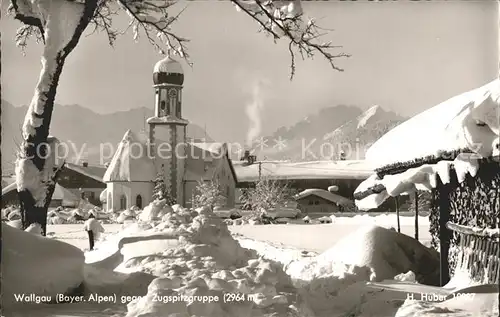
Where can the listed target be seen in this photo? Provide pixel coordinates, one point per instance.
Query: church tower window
(172, 100)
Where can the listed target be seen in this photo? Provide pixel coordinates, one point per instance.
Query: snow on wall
(451, 125)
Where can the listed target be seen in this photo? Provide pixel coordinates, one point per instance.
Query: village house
(166, 152)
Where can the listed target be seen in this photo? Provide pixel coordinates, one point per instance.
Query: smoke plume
(253, 111)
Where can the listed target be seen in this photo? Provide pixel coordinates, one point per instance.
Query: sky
(406, 57)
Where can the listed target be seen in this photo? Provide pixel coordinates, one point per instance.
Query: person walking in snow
(93, 228)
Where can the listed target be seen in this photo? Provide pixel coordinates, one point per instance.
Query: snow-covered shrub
(56, 220)
(208, 193)
(152, 211)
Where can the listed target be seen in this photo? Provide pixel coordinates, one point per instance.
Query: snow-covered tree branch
(285, 19)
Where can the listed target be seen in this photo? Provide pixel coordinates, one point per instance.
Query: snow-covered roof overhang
(449, 138)
(334, 198)
(280, 170)
(132, 161)
(467, 121)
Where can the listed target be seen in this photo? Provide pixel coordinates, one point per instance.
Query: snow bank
(384, 252)
(32, 264)
(334, 282)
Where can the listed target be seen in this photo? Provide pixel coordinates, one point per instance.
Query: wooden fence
(477, 253)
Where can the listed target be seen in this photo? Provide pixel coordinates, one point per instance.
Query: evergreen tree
(161, 191)
(245, 199)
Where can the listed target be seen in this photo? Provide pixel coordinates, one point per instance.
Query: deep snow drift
(334, 282)
(32, 264)
(203, 263)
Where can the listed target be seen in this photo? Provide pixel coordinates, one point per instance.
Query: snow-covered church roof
(466, 121)
(132, 161)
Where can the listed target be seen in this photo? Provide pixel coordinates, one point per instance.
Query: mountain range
(74, 124)
(319, 136)
(324, 135)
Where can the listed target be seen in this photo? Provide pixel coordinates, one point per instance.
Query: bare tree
(59, 25)
(267, 194)
(208, 193)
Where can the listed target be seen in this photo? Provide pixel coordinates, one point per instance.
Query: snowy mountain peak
(363, 119)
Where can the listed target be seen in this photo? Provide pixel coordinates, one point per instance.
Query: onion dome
(168, 71)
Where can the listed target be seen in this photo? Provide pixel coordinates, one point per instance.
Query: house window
(163, 108)
(138, 201)
(123, 202)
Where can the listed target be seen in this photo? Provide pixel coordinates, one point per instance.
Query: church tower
(167, 128)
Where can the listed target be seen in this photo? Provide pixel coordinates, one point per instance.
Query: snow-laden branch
(285, 19)
(154, 21)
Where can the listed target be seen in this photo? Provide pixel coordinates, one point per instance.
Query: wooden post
(444, 232)
(260, 170)
(416, 215)
(396, 199)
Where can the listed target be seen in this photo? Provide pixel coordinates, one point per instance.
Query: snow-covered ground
(282, 270)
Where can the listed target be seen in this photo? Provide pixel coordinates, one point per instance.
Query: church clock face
(172, 93)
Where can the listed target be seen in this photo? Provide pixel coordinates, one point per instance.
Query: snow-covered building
(452, 150)
(165, 150)
(345, 174)
(315, 200)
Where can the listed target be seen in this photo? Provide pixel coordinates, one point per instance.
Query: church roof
(132, 161)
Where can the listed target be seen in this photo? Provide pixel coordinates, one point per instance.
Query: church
(165, 151)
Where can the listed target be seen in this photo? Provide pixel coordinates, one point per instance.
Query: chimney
(245, 156)
(252, 159)
(85, 164)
